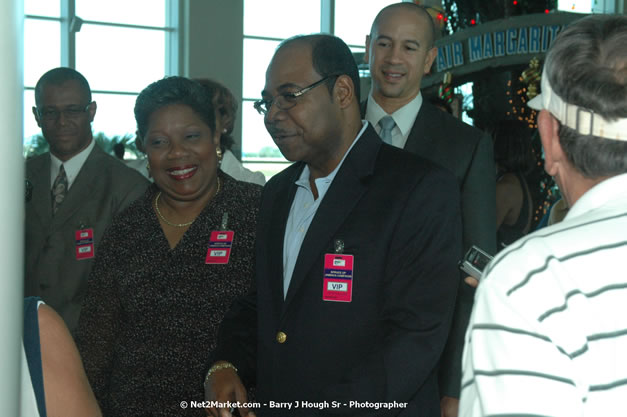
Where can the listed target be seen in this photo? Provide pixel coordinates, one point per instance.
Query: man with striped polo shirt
(548, 332)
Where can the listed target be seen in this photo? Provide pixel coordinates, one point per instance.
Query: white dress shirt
(72, 166)
(232, 166)
(303, 210)
(403, 117)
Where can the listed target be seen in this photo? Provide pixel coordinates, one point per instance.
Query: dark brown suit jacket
(103, 188)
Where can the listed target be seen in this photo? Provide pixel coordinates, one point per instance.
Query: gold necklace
(169, 223)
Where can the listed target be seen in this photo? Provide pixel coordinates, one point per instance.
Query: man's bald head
(409, 8)
(399, 52)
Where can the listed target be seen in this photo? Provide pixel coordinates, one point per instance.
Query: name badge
(338, 278)
(220, 243)
(84, 244)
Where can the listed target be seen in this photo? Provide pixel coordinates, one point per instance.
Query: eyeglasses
(70, 112)
(286, 101)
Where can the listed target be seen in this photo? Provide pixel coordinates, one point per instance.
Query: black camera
(474, 262)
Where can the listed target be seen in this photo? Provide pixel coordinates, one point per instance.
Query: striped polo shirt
(548, 331)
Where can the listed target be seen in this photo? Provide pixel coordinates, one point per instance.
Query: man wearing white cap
(548, 332)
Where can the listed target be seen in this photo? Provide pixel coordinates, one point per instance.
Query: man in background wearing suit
(400, 49)
(356, 255)
(76, 190)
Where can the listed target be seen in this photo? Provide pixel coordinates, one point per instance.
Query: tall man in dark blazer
(355, 259)
(400, 50)
(75, 190)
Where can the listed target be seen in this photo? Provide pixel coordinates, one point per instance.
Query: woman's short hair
(168, 91)
(225, 106)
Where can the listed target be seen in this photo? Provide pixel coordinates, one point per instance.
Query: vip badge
(338, 278)
(220, 243)
(84, 244)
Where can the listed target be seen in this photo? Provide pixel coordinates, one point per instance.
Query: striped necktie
(59, 189)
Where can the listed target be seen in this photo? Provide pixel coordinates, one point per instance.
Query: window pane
(257, 145)
(575, 6)
(42, 48)
(269, 170)
(281, 18)
(114, 116)
(135, 12)
(468, 102)
(120, 59)
(353, 19)
(257, 56)
(51, 8)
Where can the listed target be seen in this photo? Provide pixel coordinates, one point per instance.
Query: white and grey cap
(584, 121)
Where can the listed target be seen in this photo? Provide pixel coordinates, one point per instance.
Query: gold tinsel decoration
(532, 76)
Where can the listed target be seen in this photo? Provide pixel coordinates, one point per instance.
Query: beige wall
(212, 47)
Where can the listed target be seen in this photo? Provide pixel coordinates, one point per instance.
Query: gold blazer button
(281, 337)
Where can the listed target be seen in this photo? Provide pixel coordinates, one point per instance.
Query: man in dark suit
(76, 190)
(400, 50)
(355, 259)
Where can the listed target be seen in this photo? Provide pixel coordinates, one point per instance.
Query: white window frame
(70, 24)
(327, 25)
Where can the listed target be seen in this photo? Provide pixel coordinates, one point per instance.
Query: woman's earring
(219, 153)
(148, 169)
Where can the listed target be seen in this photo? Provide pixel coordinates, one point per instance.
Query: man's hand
(449, 406)
(472, 281)
(224, 385)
